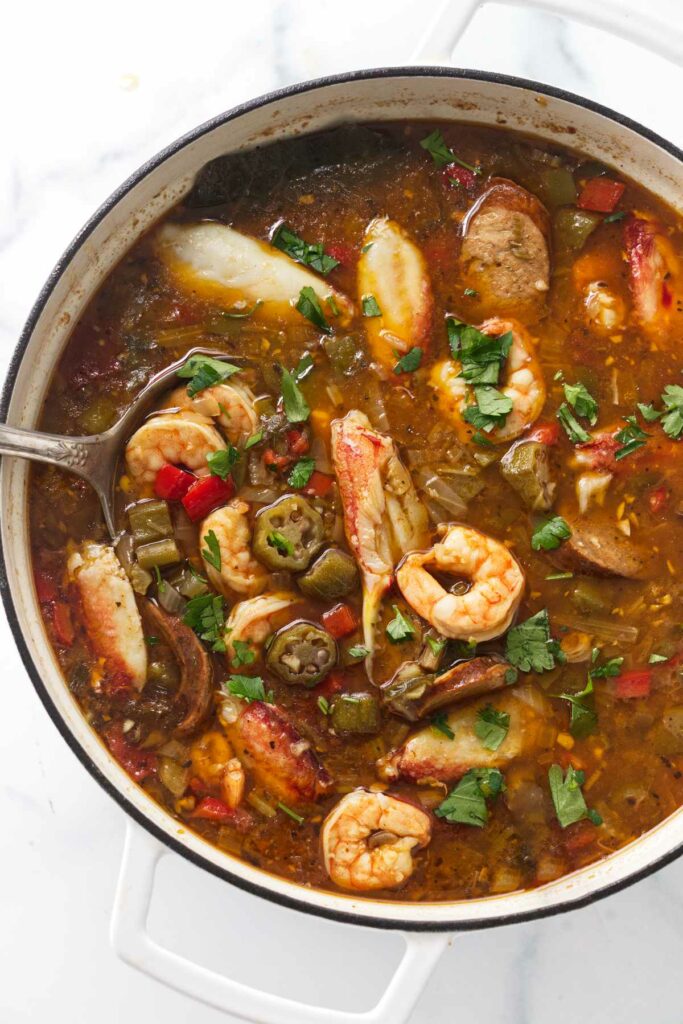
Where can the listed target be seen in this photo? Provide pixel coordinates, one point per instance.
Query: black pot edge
(341, 916)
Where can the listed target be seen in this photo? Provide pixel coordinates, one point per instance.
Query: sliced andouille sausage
(600, 549)
(282, 761)
(505, 253)
(414, 695)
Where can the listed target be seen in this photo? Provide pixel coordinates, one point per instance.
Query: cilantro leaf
(470, 293)
(631, 437)
(253, 440)
(648, 412)
(410, 361)
(244, 655)
(311, 255)
(549, 535)
(212, 552)
(442, 155)
(301, 473)
(400, 628)
(530, 647)
(583, 719)
(358, 651)
(250, 688)
(581, 400)
(204, 614)
(570, 805)
(309, 306)
(295, 405)
(572, 427)
(203, 372)
(282, 545)
(370, 306)
(491, 727)
(609, 670)
(466, 804)
(481, 356)
(657, 659)
(221, 462)
(435, 646)
(491, 409)
(672, 420)
(440, 724)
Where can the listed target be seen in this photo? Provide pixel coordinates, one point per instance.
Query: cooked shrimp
(253, 620)
(368, 840)
(604, 309)
(488, 607)
(181, 438)
(110, 613)
(383, 515)
(524, 384)
(239, 571)
(393, 271)
(431, 755)
(214, 764)
(231, 405)
(218, 263)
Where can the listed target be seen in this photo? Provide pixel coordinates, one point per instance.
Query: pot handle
(640, 23)
(133, 944)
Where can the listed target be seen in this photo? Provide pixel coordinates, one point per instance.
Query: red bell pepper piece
(546, 433)
(139, 764)
(172, 483)
(342, 252)
(657, 499)
(333, 682)
(297, 442)
(636, 683)
(210, 808)
(319, 484)
(62, 624)
(274, 462)
(339, 621)
(455, 175)
(601, 195)
(207, 494)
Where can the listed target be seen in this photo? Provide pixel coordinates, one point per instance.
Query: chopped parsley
(302, 471)
(481, 356)
(572, 427)
(212, 552)
(491, 727)
(470, 293)
(297, 409)
(491, 408)
(400, 628)
(203, 372)
(370, 306)
(611, 218)
(253, 440)
(440, 724)
(298, 818)
(466, 804)
(570, 805)
(311, 255)
(244, 655)
(435, 646)
(442, 155)
(282, 545)
(583, 718)
(309, 306)
(250, 688)
(204, 614)
(631, 438)
(609, 670)
(648, 412)
(582, 402)
(529, 646)
(672, 420)
(358, 651)
(481, 439)
(222, 462)
(549, 535)
(367, 246)
(657, 659)
(410, 361)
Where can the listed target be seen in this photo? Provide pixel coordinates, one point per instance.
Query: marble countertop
(89, 95)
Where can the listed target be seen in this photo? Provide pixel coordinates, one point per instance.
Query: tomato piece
(339, 621)
(62, 624)
(207, 494)
(319, 484)
(333, 682)
(210, 808)
(456, 176)
(342, 252)
(172, 483)
(636, 683)
(601, 195)
(297, 442)
(139, 764)
(546, 433)
(658, 499)
(274, 462)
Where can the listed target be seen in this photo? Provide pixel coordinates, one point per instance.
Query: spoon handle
(73, 453)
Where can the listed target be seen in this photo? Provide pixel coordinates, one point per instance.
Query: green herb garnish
(298, 818)
(309, 306)
(253, 440)
(152, 641)
(297, 409)
(481, 356)
(581, 400)
(301, 473)
(324, 705)
(370, 306)
(491, 727)
(572, 427)
(583, 717)
(311, 255)
(466, 804)
(244, 655)
(400, 628)
(631, 438)
(282, 545)
(440, 724)
(221, 463)
(358, 651)
(529, 646)
(611, 218)
(435, 646)
(491, 409)
(204, 372)
(570, 805)
(204, 614)
(250, 688)
(442, 155)
(410, 361)
(672, 420)
(657, 659)
(549, 535)
(212, 552)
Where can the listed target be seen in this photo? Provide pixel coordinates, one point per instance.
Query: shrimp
(111, 616)
(239, 571)
(252, 621)
(181, 438)
(524, 385)
(368, 840)
(383, 515)
(215, 262)
(604, 309)
(487, 608)
(393, 270)
(429, 755)
(215, 765)
(231, 405)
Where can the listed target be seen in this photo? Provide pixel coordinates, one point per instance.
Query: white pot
(414, 93)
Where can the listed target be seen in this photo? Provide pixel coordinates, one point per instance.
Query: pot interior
(427, 94)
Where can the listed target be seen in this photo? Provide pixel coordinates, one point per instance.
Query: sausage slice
(600, 549)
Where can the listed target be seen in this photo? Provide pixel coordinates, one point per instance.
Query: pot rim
(263, 890)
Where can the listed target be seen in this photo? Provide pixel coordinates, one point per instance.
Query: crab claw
(383, 516)
(392, 270)
(652, 264)
(220, 264)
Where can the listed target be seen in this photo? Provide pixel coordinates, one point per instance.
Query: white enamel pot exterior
(430, 93)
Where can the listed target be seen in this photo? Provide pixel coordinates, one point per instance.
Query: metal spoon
(94, 457)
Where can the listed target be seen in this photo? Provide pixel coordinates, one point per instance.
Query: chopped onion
(592, 487)
(173, 776)
(260, 495)
(231, 709)
(443, 493)
(606, 629)
(320, 452)
(377, 411)
(335, 394)
(170, 599)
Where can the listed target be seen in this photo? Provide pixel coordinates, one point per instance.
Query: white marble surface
(89, 93)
